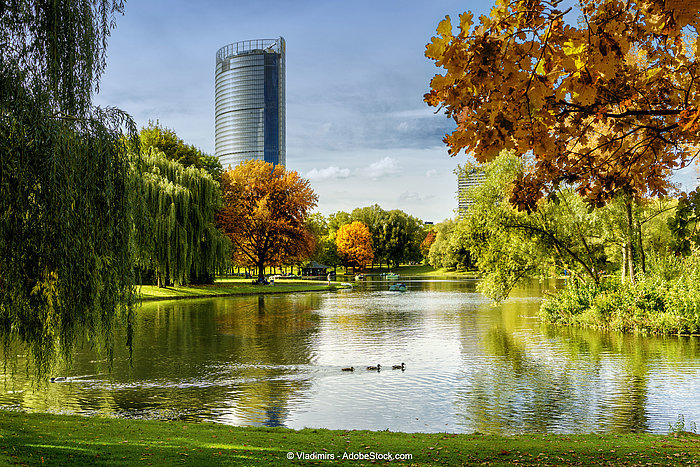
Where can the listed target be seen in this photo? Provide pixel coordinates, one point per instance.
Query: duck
(350, 368)
(401, 367)
(375, 368)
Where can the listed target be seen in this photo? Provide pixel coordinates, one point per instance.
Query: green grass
(228, 287)
(36, 439)
(419, 270)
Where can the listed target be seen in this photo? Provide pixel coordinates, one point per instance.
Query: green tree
(374, 217)
(439, 255)
(326, 251)
(507, 244)
(337, 220)
(166, 141)
(212, 165)
(400, 237)
(685, 224)
(65, 217)
(175, 227)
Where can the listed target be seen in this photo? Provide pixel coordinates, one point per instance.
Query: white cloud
(328, 173)
(431, 173)
(382, 168)
(414, 196)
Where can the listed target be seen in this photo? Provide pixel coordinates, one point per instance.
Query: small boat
(397, 287)
(390, 276)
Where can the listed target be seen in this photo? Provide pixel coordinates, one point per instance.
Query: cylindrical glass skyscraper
(250, 102)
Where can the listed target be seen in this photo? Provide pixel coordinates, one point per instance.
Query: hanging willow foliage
(174, 226)
(65, 217)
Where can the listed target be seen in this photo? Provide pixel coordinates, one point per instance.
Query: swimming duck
(350, 368)
(375, 368)
(401, 367)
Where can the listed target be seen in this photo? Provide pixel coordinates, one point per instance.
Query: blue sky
(357, 126)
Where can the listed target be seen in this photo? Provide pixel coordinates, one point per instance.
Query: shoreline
(230, 288)
(37, 438)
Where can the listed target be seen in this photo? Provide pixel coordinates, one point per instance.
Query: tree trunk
(642, 256)
(630, 240)
(261, 272)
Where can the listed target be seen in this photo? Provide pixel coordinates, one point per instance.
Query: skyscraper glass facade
(467, 178)
(250, 102)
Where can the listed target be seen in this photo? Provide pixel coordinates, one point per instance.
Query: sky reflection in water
(470, 366)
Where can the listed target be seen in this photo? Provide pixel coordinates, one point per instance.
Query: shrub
(664, 301)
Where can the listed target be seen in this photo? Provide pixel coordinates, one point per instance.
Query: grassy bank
(36, 439)
(666, 300)
(419, 270)
(233, 287)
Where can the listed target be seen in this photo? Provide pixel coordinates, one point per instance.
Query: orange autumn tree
(603, 95)
(264, 214)
(354, 243)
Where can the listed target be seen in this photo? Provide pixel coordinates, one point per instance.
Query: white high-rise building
(250, 102)
(467, 178)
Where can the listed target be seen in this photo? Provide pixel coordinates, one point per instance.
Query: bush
(664, 301)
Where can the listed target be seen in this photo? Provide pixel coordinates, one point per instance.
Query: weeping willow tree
(174, 225)
(65, 217)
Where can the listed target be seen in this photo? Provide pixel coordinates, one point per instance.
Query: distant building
(467, 177)
(314, 269)
(250, 102)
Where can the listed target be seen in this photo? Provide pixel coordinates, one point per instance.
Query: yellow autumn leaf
(652, 72)
(465, 22)
(436, 48)
(586, 96)
(539, 69)
(444, 29)
(574, 51)
(441, 82)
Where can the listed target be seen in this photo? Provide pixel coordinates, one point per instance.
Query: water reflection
(470, 366)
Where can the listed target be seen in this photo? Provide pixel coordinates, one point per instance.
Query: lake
(470, 366)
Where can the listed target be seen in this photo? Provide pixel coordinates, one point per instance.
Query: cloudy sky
(357, 126)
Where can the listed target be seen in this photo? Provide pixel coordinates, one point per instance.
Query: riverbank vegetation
(35, 439)
(228, 287)
(664, 301)
(589, 247)
(579, 158)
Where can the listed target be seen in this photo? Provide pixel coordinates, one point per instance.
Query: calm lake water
(470, 366)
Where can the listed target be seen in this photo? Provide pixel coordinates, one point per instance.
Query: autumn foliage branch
(604, 98)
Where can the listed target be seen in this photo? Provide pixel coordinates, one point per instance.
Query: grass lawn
(419, 270)
(43, 439)
(227, 287)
